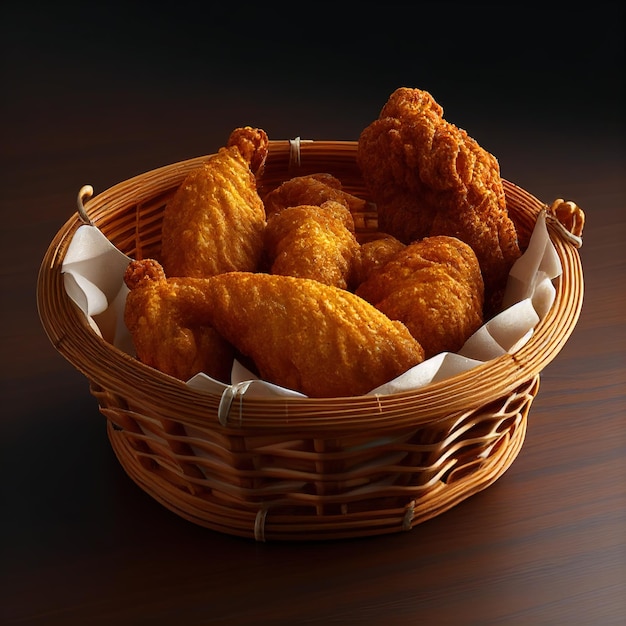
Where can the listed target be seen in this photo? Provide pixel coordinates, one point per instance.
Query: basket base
(263, 524)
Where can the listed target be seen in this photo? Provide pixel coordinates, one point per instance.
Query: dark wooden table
(97, 97)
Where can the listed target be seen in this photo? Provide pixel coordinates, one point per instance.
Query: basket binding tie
(259, 524)
(409, 513)
(295, 159)
(231, 393)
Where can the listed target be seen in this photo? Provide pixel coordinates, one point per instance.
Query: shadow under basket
(305, 468)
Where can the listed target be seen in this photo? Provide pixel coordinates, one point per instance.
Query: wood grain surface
(95, 96)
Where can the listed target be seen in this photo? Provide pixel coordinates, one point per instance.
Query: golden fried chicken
(214, 223)
(314, 242)
(310, 337)
(313, 189)
(169, 322)
(299, 333)
(434, 286)
(253, 145)
(376, 252)
(428, 177)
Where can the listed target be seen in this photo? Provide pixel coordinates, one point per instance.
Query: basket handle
(569, 219)
(85, 192)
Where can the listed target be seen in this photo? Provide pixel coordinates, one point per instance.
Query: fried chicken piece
(214, 223)
(169, 322)
(376, 252)
(253, 145)
(313, 189)
(314, 242)
(310, 337)
(434, 286)
(428, 177)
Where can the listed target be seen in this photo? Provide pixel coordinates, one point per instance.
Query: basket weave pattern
(283, 469)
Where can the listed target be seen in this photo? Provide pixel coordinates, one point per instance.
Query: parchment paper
(93, 271)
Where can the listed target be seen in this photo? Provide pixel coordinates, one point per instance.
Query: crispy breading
(168, 320)
(299, 333)
(314, 242)
(434, 286)
(429, 177)
(214, 223)
(310, 337)
(376, 252)
(253, 145)
(312, 189)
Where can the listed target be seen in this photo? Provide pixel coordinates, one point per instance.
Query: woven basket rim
(72, 336)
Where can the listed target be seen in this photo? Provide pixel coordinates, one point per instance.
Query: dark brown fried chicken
(428, 177)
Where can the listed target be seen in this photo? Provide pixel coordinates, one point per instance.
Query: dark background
(98, 94)
(177, 79)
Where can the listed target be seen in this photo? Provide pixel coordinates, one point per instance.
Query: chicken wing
(313, 189)
(428, 177)
(215, 221)
(434, 286)
(313, 242)
(376, 252)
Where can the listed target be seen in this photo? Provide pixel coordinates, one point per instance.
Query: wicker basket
(300, 468)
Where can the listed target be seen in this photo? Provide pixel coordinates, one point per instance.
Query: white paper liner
(93, 273)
